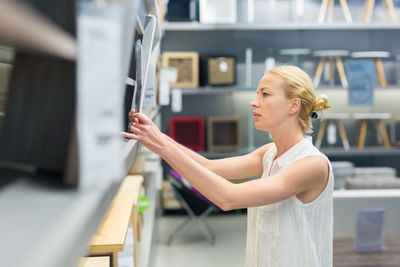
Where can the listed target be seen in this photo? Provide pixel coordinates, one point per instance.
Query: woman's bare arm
(231, 168)
(306, 174)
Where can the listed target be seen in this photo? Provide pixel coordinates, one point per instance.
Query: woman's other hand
(145, 131)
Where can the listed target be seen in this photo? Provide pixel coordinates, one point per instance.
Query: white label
(249, 62)
(331, 133)
(169, 74)
(176, 100)
(164, 93)
(223, 66)
(269, 63)
(100, 98)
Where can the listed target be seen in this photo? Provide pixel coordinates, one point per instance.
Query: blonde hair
(297, 84)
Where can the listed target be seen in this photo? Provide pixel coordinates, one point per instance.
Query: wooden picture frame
(223, 133)
(187, 64)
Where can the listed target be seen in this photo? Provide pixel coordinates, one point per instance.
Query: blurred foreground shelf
(48, 226)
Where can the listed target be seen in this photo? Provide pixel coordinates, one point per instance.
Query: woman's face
(270, 106)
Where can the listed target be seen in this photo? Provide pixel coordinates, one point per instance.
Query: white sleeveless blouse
(290, 233)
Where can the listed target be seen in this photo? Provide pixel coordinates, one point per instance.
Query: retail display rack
(73, 62)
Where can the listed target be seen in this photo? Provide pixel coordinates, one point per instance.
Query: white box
(218, 11)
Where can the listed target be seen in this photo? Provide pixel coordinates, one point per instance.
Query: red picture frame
(188, 131)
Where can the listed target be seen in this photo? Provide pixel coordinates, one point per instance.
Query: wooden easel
(380, 125)
(369, 8)
(327, 6)
(339, 121)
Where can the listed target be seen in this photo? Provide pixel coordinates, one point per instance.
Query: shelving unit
(51, 224)
(234, 39)
(334, 151)
(34, 32)
(220, 90)
(196, 26)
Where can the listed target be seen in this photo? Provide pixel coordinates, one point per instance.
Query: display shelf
(50, 227)
(33, 32)
(209, 91)
(196, 26)
(221, 90)
(356, 152)
(224, 154)
(378, 193)
(334, 151)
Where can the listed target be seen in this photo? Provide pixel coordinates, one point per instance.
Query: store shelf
(49, 227)
(23, 27)
(224, 154)
(373, 193)
(221, 90)
(196, 26)
(366, 152)
(209, 91)
(334, 152)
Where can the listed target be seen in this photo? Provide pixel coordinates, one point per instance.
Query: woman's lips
(256, 115)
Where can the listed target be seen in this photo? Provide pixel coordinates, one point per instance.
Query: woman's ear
(295, 105)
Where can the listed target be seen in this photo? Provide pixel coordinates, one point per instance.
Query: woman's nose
(254, 102)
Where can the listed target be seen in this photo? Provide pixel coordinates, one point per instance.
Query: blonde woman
(290, 217)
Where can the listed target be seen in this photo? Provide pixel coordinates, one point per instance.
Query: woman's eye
(265, 94)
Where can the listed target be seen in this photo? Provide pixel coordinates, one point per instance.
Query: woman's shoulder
(263, 150)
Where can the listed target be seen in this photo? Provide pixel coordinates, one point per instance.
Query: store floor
(191, 248)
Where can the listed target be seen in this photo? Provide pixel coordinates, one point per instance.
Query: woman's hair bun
(321, 103)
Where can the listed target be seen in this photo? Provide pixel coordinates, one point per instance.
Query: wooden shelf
(111, 234)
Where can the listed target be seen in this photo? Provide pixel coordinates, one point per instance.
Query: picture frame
(219, 70)
(223, 133)
(188, 131)
(187, 64)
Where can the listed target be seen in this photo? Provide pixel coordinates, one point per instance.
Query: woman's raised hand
(145, 131)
